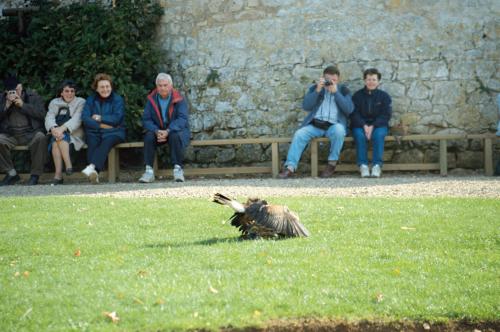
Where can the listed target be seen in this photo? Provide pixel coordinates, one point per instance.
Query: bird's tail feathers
(221, 199)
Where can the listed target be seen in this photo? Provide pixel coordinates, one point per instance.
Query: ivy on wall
(78, 41)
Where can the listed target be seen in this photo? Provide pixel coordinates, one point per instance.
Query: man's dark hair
(331, 70)
(372, 71)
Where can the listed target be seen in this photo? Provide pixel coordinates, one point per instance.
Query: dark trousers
(98, 148)
(174, 144)
(37, 144)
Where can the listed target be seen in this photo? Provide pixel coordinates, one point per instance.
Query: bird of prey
(258, 219)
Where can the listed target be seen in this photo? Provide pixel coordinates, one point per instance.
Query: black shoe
(328, 171)
(9, 180)
(33, 180)
(286, 173)
(55, 182)
(69, 171)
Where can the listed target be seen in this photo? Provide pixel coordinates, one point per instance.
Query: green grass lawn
(174, 264)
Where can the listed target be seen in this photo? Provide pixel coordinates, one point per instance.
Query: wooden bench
(442, 165)
(114, 156)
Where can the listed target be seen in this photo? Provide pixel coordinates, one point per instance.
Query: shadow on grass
(207, 242)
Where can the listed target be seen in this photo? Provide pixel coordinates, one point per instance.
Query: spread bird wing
(278, 218)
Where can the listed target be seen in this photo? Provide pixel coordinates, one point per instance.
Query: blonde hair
(101, 77)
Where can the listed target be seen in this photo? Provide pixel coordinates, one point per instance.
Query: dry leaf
(138, 301)
(160, 302)
(379, 298)
(142, 273)
(17, 274)
(426, 326)
(26, 274)
(112, 316)
(404, 228)
(77, 253)
(213, 290)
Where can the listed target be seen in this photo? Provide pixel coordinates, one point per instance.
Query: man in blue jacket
(166, 121)
(329, 105)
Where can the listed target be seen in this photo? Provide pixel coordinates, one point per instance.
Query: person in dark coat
(165, 121)
(22, 115)
(103, 119)
(370, 122)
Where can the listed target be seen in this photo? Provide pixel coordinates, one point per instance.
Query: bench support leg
(314, 158)
(488, 157)
(275, 159)
(113, 165)
(443, 157)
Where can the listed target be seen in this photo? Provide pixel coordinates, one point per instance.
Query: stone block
(434, 70)
(418, 90)
(470, 159)
(225, 155)
(447, 93)
(407, 70)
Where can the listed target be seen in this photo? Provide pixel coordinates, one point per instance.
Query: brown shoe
(286, 173)
(328, 171)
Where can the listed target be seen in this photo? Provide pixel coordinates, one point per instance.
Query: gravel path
(346, 186)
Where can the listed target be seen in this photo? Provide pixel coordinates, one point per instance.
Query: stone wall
(245, 64)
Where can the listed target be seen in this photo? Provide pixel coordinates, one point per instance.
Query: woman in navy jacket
(103, 118)
(370, 122)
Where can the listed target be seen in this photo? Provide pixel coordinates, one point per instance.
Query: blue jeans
(378, 136)
(303, 136)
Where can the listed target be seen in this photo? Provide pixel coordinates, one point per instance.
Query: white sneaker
(94, 177)
(178, 174)
(365, 172)
(376, 171)
(89, 169)
(147, 177)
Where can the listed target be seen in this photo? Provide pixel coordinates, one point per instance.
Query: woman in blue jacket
(370, 122)
(103, 118)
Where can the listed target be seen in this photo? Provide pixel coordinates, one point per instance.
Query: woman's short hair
(101, 77)
(163, 76)
(67, 83)
(372, 71)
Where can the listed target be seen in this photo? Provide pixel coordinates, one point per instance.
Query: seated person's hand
(161, 136)
(96, 117)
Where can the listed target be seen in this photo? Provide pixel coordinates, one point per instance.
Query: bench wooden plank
(443, 157)
(488, 156)
(275, 159)
(220, 170)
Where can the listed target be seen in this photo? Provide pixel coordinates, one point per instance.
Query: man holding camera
(22, 115)
(329, 105)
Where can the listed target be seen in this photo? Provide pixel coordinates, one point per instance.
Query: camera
(328, 82)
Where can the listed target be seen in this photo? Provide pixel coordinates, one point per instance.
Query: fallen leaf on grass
(396, 271)
(160, 302)
(77, 253)
(112, 316)
(17, 274)
(404, 228)
(379, 297)
(26, 274)
(213, 290)
(138, 301)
